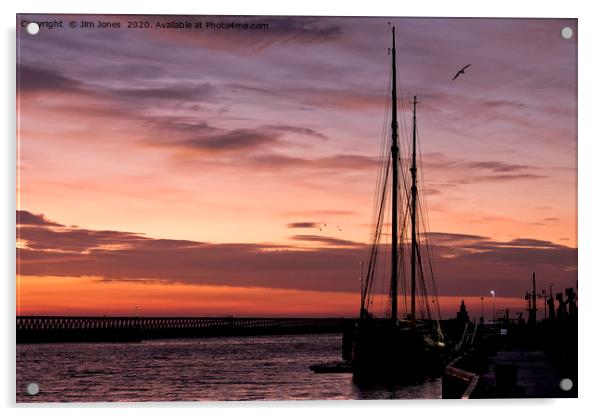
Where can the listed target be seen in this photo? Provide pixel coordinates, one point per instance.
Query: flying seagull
(460, 72)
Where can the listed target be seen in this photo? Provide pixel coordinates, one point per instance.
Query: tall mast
(413, 170)
(395, 180)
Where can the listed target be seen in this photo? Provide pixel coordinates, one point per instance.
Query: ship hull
(384, 353)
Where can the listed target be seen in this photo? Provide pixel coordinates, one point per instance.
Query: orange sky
(87, 296)
(230, 139)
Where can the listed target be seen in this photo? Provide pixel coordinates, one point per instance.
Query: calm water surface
(231, 368)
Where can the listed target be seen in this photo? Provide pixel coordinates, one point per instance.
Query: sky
(190, 172)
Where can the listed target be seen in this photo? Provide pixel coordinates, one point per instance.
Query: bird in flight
(460, 72)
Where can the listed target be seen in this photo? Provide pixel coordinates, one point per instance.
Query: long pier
(42, 329)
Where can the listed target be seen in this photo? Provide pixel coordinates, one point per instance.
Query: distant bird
(339, 228)
(460, 72)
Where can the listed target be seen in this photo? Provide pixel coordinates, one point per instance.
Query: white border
(590, 160)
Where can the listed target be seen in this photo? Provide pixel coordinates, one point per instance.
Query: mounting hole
(566, 384)
(33, 28)
(566, 32)
(33, 389)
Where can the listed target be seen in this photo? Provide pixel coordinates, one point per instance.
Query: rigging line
(435, 301)
(382, 154)
(377, 222)
(434, 283)
(406, 191)
(402, 229)
(375, 245)
(424, 301)
(421, 236)
(404, 142)
(405, 151)
(386, 262)
(385, 292)
(425, 218)
(425, 238)
(379, 189)
(380, 185)
(405, 218)
(405, 130)
(381, 168)
(401, 233)
(427, 229)
(423, 285)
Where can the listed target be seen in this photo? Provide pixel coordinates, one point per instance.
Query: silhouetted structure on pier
(571, 302)
(561, 311)
(551, 308)
(462, 315)
(532, 304)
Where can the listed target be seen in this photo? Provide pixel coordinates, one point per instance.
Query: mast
(395, 180)
(413, 170)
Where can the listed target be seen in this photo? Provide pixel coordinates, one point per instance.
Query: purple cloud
(464, 264)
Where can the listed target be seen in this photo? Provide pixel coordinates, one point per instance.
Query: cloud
(495, 166)
(234, 140)
(115, 255)
(499, 178)
(297, 130)
(443, 238)
(76, 240)
(462, 171)
(524, 242)
(356, 99)
(302, 225)
(339, 162)
(175, 91)
(199, 137)
(464, 264)
(321, 213)
(281, 30)
(38, 79)
(331, 241)
(27, 218)
(504, 104)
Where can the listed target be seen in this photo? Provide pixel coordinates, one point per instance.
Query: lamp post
(493, 295)
(482, 310)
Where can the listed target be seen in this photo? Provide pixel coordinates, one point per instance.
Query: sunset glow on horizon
(86, 296)
(232, 172)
